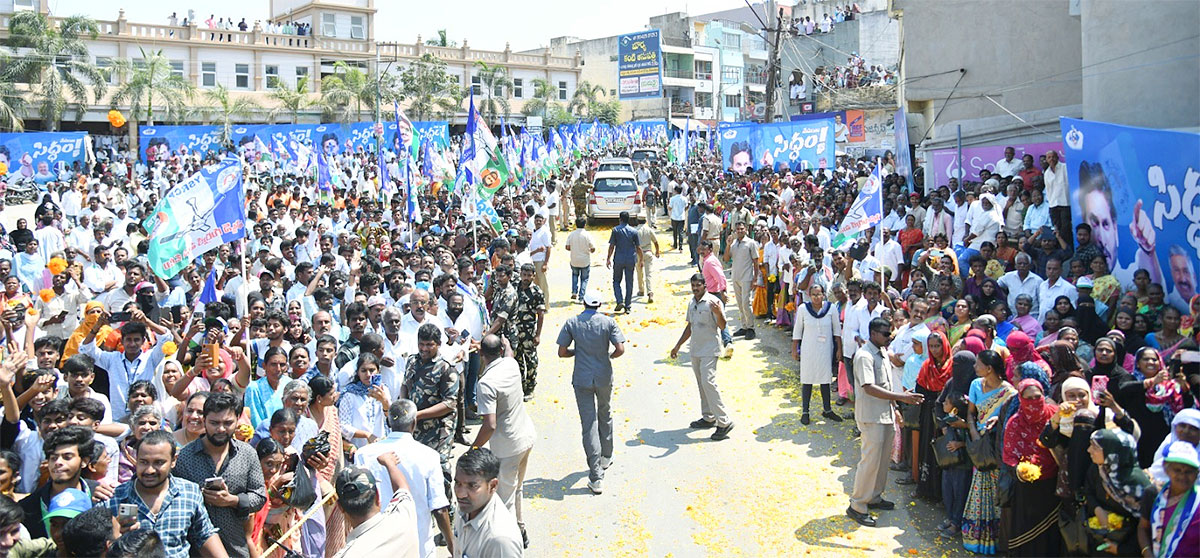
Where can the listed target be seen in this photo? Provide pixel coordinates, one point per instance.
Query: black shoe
(740, 332)
(804, 419)
(524, 537)
(864, 519)
(749, 334)
(832, 416)
(620, 308)
(628, 309)
(722, 432)
(857, 432)
(841, 401)
(702, 424)
(898, 467)
(905, 480)
(882, 505)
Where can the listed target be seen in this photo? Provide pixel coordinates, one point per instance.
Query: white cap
(591, 298)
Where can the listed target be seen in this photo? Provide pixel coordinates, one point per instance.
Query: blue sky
(486, 24)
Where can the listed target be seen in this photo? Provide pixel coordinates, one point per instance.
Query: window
(704, 69)
(733, 101)
(329, 25)
(731, 40)
(272, 73)
(757, 43)
(301, 73)
(208, 74)
(241, 76)
(517, 90)
(19, 5)
(731, 74)
(562, 90)
(357, 29)
(703, 100)
(104, 64)
(612, 92)
(476, 85)
(497, 90)
(177, 68)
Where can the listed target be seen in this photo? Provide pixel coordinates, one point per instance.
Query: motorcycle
(19, 191)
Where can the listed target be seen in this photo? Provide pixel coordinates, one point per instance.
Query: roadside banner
(639, 65)
(37, 155)
(944, 162)
(1139, 189)
(865, 212)
(798, 145)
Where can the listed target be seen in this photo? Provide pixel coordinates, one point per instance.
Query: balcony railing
(756, 78)
(705, 76)
(680, 74)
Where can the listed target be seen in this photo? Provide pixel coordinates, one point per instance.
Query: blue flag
(865, 212)
(209, 292)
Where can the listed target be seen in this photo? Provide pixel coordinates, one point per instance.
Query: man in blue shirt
(622, 257)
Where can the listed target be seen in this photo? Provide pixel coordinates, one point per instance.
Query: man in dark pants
(693, 228)
(623, 244)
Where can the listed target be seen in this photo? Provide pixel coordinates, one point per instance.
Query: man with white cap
(1185, 427)
(391, 531)
(591, 333)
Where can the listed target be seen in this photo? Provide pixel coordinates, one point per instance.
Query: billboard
(1139, 189)
(37, 155)
(944, 162)
(639, 65)
(797, 145)
(159, 142)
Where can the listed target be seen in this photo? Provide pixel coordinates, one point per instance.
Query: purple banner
(975, 159)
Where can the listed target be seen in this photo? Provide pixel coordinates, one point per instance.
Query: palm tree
(345, 92)
(542, 102)
(226, 110)
(585, 98)
(12, 104)
(493, 78)
(429, 90)
(442, 40)
(55, 62)
(149, 80)
(291, 100)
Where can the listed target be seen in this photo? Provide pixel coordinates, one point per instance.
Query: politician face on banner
(740, 157)
(1096, 205)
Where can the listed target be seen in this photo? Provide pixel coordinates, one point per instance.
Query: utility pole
(773, 59)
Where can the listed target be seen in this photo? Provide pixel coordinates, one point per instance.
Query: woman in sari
(323, 409)
(1161, 397)
(1114, 491)
(1105, 286)
(1021, 350)
(1168, 339)
(760, 286)
(1034, 528)
(144, 420)
(952, 409)
(935, 373)
(988, 396)
(1170, 521)
(961, 321)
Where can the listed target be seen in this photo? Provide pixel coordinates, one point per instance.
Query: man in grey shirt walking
(592, 333)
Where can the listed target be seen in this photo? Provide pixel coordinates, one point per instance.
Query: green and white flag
(197, 215)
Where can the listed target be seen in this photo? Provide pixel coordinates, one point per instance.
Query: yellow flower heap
(1028, 472)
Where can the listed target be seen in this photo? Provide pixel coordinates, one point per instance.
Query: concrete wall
(1149, 86)
(1028, 59)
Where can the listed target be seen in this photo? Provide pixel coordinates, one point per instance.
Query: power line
(962, 73)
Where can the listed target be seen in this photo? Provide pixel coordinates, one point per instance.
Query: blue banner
(1139, 189)
(195, 216)
(38, 155)
(647, 129)
(157, 143)
(779, 145)
(903, 151)
(639, 65)
(297, 139)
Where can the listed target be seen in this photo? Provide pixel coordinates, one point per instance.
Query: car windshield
(642, 155)
(614, 185)
(605, 167)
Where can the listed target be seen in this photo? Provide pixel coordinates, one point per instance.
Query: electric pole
(773, 59)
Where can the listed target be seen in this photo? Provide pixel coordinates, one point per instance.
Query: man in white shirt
(540, 245)
(552, 207)
(581, 246)
(890, 254)
(960, 208)
(506, 428)
(422, 470)
(677, 207)
(1054, 175)
(102, 275)
(1053, 287)
(1022, 281)
(1009, 165)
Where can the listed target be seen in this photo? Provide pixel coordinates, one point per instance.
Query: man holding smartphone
(139, 503)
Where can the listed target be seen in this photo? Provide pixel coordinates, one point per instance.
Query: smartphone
(120, 317)
(462, 337)
(1189, 356)
(127, 512)
(1099, 385)
(214, 483)
(176, 314)
(376, 379)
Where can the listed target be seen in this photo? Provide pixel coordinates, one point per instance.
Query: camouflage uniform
(530, 303)
(504, 304)
(428, 384)
(579, 193)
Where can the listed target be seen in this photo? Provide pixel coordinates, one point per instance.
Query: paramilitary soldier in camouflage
(579, 193)
(432, 383)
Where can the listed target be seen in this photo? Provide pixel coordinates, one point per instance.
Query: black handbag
(944, 456)
(1006, 486)
(911, 415)
(983, 451)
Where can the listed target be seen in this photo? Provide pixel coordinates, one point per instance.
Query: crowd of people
(215, 23)
(305, 388)
(806, 26)
(856, 73)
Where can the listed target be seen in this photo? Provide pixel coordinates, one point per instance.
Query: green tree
(227, 110)
(542, 102)
(428, 89)
(54, 61)
(497, 87)
(606, 112)
(12, 104)
(291, 100)
(147, 81)
(348, 90)
(585, 98)
(441, 40)
(556, 116)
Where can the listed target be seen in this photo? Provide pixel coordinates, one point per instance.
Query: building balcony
(680, 74)
(756, 78)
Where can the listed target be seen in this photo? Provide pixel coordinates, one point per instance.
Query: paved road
(775, 488)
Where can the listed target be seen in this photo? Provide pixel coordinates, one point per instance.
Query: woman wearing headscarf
(988, 397)
(1068, 435)
(931, 380)
(989, 292)
(1161, 396)
(1091, 325)
(1114, 491)
(1021, 350)
(1083, 350)
(1123, 322)
(1184, 427)
(1170, 520)
(1034, 526)
(952, 409)
(1064, 363)
(1065, 307)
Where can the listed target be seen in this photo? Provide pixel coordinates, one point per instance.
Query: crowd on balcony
(227, 24)
(856, 73)
(805, 25)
